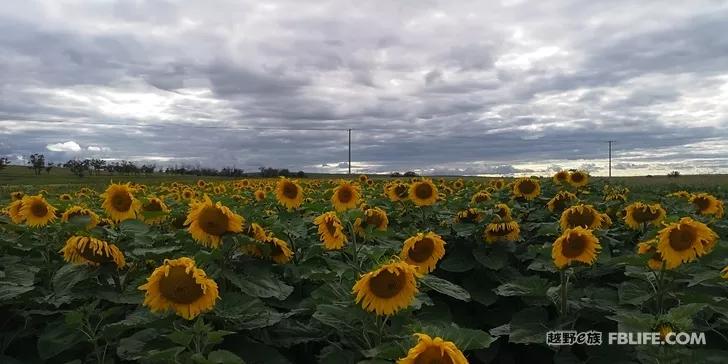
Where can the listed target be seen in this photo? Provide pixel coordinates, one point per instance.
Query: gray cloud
(442, 87)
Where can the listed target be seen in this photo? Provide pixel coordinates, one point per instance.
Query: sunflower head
(65, 197)
(575, 245)
(480, 197)
(17, 195)
(638, 214)
(508, 230)
(681, 194)
(433, 350)
(423, 193)
(154, 211)
(330, 231)
(208, 222)
(346, 196)
(387, 289)
(497, 184)
(256, 232)
(502, 211)
(119, 202)
(526, 188)
(374, 217)
(188, 194)
(469, 215)
(92, 251)
(664, 329)
(279, 250)
(584, 216)
(14, 211)
(75, 211)
(36, 211)
(423, 251)
(560, 201)
(684, 241)
(289, 193)
(578, 178)
(561, 177)
(649, 248)
(363, 178)
(707, 204)
(259, 195)
(180, 286)
(397, 191)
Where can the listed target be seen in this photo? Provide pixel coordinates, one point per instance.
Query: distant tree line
(405, 174)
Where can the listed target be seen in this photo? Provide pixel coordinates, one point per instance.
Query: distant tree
(410, 174)
(49, 167)
(300, 174)
(36, 162)
(674, 174)
(98, 165)
(4, 162)
(396, 174)
(79, 168)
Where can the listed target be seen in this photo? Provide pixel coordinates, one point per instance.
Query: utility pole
(610, 158)
(350, 151)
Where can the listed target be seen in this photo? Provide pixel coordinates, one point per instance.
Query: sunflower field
(362, 270)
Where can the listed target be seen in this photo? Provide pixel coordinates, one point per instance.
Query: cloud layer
(509, 87)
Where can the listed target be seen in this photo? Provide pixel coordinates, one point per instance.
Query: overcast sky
(477, 87)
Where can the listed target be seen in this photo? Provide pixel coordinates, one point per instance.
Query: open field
(321, 270)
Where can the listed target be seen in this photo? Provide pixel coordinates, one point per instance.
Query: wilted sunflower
(561, 177)
(578, 178)
(681, 194)
(560, 201)
(498, 184)
(74, 211)
(526, 188)
(330, 231)
(119, 202)
(180, 286)
(256, 232)
(36, 211)
(208, 222)
(583, 215)
(65, 197)
(649, 248)
(507, 230)
(707, 204)
(575, 245)
(480, 197)
(92, 251)
(503, 211)
(289, 193)
(14, 212)
(423, 193)
(346, 196)
(431, 351)
(279, 250)
(259, 195)
(388, 289)
(373, 217)
(154, 211)
(639, 213)
(17, 195)
(684, 241)
(469, 215)
(423, 251)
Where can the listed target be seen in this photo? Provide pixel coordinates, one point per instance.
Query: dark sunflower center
(526, 187)
(573, 246)
(500, 229)
(584, 218)
(374, 219)
(577, 177)
(433, 355)
(213, 221)
(401, 191)
(39, 209)
(645, 214)
(179, 286)
(344, 194)
(502, 212)
(387, 284)
(275, 250)
(121, 201)
(290, 190)
(78, 213)
(423, 191)
(421, 250)
(702, 203)
(561, 176)
(153, 206)
(330, 227)
(683, 238)
(481, 197)
(91, 255)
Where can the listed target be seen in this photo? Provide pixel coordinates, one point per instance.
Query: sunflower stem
(660, 290)
(355, 248)
(563, 293)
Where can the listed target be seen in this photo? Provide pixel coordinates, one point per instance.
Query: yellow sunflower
(423, 251)
(363, 178)
(346, 196)
(256, 232)
(469, 215)
(560, 201)
(585, 216)
(92, 251)
(502, 211)
(526, 188)
(498, 184)
(259, 195)
(17, 195)
(36, 211)
(707, 204)
(437, 350)
(208, 222)
(650, 248)
(374, 217)
(330, 231)
(289, 193)
(578, 178)
(639, 213)
(480, 197)
(561, 177)
(65, 197)
(180, 286)
(388, 289)
(423, 193)
(201, 184)
(154, 211)
(119, 202)
(508, 230)
(575, 245)
(74, 211)
(684, 241)
(681, 194)
(188, 194)
(14, 212)
(279, 250)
